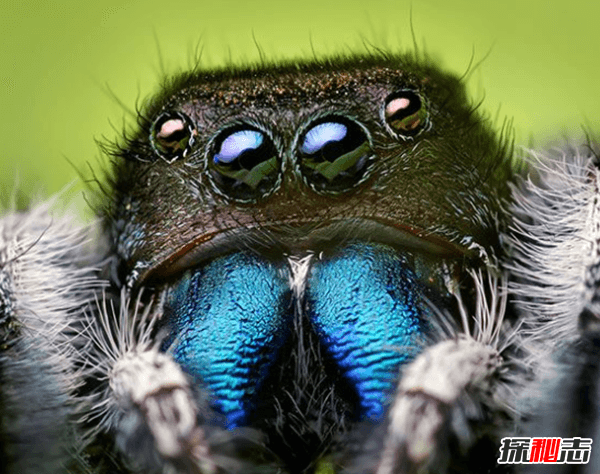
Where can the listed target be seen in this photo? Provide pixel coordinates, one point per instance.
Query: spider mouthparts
(300, 238)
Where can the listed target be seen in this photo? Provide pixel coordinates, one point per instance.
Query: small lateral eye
(406, 113)
(334, 154)
(244, 164)
(173, 135)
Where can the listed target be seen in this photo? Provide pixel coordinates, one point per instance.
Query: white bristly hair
(146, 400)
(48, 279)
(554, 247)
(555, 242)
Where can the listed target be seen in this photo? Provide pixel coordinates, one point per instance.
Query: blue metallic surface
(365, 303)
(229, 319)
(318, 136)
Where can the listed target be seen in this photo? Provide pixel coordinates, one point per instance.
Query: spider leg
(47, 280)
(556, 240)
(449, 394)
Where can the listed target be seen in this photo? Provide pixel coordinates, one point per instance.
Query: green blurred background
(58, 60)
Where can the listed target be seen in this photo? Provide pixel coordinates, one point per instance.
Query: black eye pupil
(172, 135)
(334, 154)
(405, 113)
(244, 164)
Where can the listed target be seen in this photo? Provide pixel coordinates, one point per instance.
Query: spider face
(293, 158)
(300, 224)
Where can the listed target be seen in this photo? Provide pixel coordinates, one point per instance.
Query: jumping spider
(325, 266)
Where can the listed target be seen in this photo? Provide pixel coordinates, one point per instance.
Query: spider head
(300, 220)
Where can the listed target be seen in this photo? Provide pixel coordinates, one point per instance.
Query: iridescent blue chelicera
(228, 320)
(366, 305)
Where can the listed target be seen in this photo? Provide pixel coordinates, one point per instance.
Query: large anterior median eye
(244, 164)
(334, 154)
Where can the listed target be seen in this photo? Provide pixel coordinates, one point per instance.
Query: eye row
(333, 153)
